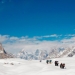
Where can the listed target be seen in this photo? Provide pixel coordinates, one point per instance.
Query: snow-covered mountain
(37, 54)
(67, 52)
(41, 54)
(4, 54)
(71, 53)
(46, 54)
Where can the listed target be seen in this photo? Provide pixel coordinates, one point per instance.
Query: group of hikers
(62, 65)
(48, 61)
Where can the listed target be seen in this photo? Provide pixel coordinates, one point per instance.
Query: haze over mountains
(46, 54)
(40, 54)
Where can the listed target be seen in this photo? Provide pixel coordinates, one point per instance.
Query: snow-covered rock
(4, 54)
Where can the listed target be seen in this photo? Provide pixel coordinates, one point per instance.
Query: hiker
(50, 61)
(40, 60)
(47, 61)
(56, 63)
(62, 65)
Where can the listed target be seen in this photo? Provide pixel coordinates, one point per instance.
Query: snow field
(34, 67)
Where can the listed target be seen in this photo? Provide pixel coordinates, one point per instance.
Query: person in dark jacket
(50, 61)
(62, 65)
(47, 61)
(56, 63)
(40, 60)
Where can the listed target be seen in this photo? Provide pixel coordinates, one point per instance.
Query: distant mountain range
(46, 54)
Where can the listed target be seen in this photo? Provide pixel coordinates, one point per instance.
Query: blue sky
(37, 17)
(24, 22)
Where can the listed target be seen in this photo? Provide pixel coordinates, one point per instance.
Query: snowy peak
(46, 54)
(71, 53)
(68, 52)
(4, 54)
(37, 54)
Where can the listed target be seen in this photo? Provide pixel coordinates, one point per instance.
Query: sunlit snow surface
(34, 67)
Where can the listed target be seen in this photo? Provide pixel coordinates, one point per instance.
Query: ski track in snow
(34, 67)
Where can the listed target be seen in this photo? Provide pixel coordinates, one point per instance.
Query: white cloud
(54, 35)
(4, 38)
(70, 40)
(70, 35)
(47, 36)
(15, 44)
(14, 38)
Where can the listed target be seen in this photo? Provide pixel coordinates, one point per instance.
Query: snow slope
(34, 67)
